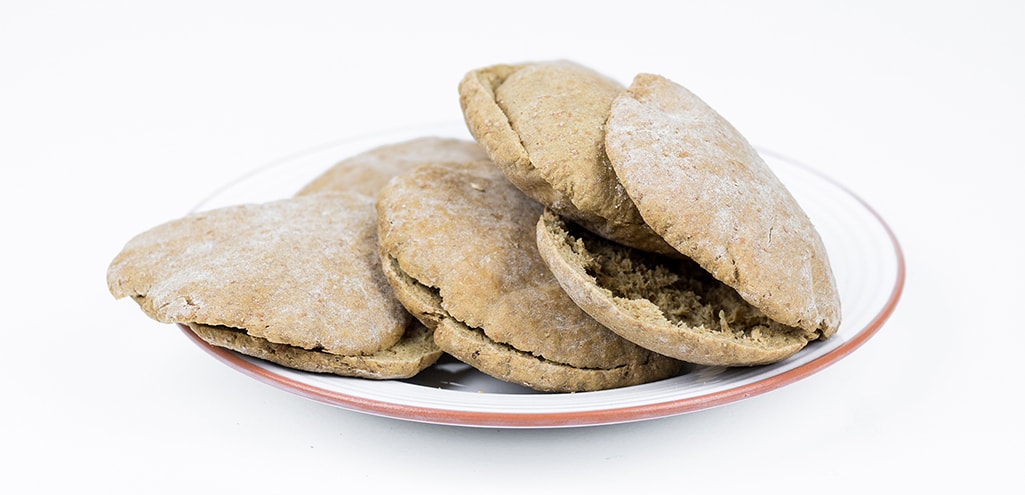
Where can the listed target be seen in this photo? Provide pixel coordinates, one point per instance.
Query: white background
(116, 116)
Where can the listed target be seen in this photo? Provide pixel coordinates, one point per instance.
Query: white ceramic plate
(866, 259)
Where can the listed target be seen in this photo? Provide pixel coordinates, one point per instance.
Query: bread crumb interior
(686, 294)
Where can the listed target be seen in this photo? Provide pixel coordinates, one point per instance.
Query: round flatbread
(543, 124)
(702, 187)
(300, 272)
(457, 243)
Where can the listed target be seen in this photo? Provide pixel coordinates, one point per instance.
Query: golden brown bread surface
(306, 282)
(701, 186)
(476, 349)
(543, 124)
(369, 171)
(300, 271)
(460, 240)
(412, 354)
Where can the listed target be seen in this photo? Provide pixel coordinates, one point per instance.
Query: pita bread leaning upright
(702, 187)
(542, 123)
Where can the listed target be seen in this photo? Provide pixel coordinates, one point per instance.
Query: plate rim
(590, 417)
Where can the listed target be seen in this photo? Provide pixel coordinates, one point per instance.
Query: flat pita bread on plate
(458, 245)
(300, 272)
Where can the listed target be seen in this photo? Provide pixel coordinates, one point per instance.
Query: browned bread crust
(458, 244)
(543, 124)
(669, 305)
(708, 193)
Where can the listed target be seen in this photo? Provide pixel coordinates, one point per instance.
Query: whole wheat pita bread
(459, 242)
(543, 124)
(300, 272)
(702, 187)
